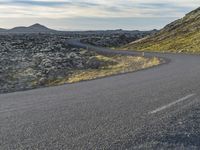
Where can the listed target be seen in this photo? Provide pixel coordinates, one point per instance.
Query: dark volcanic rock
(33, 60)
(118, 39)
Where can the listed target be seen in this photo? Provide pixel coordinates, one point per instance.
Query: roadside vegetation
(113, 65)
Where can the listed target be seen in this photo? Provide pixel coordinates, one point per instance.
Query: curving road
(156, 108)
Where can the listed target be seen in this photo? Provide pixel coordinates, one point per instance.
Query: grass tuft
(120, 64)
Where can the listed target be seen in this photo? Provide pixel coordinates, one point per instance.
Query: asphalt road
(156, 108)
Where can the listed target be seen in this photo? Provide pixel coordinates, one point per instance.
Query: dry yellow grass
(180, 36)
(122, 64)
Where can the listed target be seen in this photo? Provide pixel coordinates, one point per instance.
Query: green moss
(182, 35)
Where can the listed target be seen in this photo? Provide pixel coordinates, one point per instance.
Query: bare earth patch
(115, 65)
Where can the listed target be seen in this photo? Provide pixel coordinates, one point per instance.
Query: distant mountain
(2, 30)
(36, 28)
(182, 35)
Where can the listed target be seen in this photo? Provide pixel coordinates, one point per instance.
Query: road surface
(156, 108)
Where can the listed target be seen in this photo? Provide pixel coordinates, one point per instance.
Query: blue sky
(94, 14)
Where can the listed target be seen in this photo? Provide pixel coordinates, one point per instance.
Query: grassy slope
(182, 35)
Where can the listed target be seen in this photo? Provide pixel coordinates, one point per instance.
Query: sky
(94, 14)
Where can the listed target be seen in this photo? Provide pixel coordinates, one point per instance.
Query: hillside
(182, 35)
(36, 28)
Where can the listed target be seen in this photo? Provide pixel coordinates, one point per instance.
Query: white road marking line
(171, 104)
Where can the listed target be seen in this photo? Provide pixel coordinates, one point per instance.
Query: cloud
(38, 3)
(101, 9)
(95, 8)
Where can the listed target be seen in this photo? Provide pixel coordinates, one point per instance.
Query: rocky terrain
(182, 35)
(117, 39)
(29, 61)
(37, 56)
